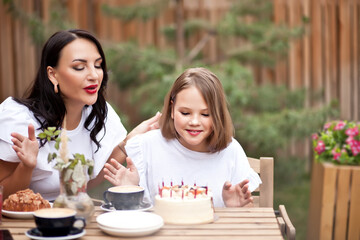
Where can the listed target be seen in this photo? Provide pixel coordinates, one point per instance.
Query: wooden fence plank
(7, 87)
(344, 46)
(316, 42)
(356, 59)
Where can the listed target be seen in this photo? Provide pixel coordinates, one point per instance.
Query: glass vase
(73, 193)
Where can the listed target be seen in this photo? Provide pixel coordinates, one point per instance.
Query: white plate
(74, 236)
(19, 215)
(129, 233)
(129, 223)
(144, 207)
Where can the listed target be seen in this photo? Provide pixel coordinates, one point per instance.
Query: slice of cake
(183, 204)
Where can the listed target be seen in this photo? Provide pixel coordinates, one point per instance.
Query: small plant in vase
(73, 174)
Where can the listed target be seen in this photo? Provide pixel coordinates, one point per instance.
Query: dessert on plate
(25, 201)
(184, 204)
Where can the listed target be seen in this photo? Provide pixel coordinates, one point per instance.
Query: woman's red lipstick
(91, 89)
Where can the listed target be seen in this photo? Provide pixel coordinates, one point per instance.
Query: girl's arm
(17, 176)
(237, 195)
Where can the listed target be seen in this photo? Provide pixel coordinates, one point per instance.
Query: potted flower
(338, 142)
(73, 174)
(335, 192)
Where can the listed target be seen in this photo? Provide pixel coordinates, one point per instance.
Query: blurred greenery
(267, 118)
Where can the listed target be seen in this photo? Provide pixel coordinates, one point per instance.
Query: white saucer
(129, 223)
(70, 236)
(143, 207)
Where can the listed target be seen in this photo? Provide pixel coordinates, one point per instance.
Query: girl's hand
(26, 148)
(147, 125)
(237, 195)
(118, 175)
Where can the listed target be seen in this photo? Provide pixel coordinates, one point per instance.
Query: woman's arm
(14, 177)
(17, 176)
(119, 153)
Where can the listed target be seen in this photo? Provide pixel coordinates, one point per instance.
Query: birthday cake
(183, 204)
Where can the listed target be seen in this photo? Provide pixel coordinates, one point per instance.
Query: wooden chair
(264, 194)
(287, 228)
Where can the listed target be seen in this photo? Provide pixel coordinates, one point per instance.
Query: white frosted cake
(184, 205)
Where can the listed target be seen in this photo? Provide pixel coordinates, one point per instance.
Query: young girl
(195, 145)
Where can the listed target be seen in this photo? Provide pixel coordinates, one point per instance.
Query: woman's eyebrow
(83, 60)
(79, 60)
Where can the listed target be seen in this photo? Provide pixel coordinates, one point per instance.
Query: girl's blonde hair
(212, 91)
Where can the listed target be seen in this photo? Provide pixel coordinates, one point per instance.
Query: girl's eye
(206, 114)
(98, 67)
(184, 113)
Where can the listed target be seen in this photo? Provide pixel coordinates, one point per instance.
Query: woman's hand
(237, 195)
(26, 148)
(118, 175)
(147, 125)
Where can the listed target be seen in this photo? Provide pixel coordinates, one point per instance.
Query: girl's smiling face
(78, 73)
(192, 119)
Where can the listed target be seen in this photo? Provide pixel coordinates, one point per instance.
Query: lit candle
(63, 148)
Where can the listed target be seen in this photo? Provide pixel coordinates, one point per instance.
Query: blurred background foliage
(268, 119)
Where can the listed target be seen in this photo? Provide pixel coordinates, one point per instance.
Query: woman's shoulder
(10, 109)
(9, 104)
(15, 116)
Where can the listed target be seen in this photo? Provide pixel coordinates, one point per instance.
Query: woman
(71, 81)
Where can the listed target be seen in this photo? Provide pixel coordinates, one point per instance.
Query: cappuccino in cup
(53, 222)
(124, 197)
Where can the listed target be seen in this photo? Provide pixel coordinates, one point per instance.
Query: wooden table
(231, 223)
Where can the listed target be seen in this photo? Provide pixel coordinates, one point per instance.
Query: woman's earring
(56, 90)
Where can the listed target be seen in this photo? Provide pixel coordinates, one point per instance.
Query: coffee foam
(54, 212)
(125, 189)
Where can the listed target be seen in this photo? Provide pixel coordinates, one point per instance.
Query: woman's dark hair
(48, 106)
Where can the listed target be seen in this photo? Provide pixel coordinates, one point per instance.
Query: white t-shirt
(159, 160)
(15, 117)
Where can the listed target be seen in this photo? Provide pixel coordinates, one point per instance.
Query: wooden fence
(327, 58)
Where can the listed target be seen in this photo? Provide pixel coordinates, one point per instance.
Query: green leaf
(42, 135)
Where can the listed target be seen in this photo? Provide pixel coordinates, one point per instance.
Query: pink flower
(355, 147)
(349, 139)
(320, 147)
(336, 154)
(340, 125)
(327, 125)
(314, 136)
(352, 131)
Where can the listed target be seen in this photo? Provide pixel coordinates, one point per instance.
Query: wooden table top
(231, 223)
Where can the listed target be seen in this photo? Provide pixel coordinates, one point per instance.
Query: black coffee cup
(124, 197)
(53, 222)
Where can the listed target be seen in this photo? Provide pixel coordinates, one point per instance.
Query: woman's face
(192, 119)
(79, 73)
